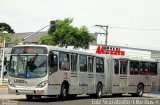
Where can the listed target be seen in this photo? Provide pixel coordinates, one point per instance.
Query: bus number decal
(19, 81)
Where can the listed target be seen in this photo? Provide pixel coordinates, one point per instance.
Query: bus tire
(29, 97)
(139, 91)
(64, 93)
(99, 91)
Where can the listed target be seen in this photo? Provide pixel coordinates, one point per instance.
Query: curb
(3, 88)
(152, 95)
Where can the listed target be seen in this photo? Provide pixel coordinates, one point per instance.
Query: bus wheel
(29, 97)
(99, 91)
(140, 90)
(64, 93)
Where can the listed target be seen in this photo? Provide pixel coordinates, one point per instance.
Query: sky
(138, 20)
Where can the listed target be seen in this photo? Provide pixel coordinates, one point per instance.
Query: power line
(132, 28)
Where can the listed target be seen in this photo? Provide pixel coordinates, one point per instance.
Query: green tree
(6, 27)
(67, 35)
(8, 36)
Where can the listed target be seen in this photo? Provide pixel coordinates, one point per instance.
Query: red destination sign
(102, 50)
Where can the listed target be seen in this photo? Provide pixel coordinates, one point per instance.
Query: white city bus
(41, 70)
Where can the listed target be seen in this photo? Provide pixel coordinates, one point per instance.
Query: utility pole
(105, 28)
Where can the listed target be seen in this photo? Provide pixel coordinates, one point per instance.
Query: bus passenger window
(153, 68)
(123, 67)
(83, 63)
(99, 65)
(144, 68)
(134, 67)
(74, 62)
(54, 63)
(90, 64)
(64, 61)
(116, 67)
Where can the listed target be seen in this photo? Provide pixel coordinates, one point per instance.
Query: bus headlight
(42, 84)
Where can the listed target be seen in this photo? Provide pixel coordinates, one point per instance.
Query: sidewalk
(12, 96)
(4, 87)
(151, 95)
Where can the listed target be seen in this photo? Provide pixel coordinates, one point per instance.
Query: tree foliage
(8, 36)
(6, 27)
(67, 35)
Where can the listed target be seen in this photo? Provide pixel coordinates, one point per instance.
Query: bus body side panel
(108, 75)
(74, 83)
(155, 80)
(54, 85)
(83, 82)
(137, 79)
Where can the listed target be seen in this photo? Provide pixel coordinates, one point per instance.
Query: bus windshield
(28, 66)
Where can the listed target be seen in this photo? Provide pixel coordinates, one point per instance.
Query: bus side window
(90, 63)
(53, 63)
(83, 63)
(123, 67)
(134, 67)
(153, 68)
(99, 65)
(116, 67)
(144, 68)
(64, 62)
(73, 62)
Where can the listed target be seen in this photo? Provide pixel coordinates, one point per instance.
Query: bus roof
(134, 59)
(49, 47)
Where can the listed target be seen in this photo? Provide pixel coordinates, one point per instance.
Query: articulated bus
(41, 70)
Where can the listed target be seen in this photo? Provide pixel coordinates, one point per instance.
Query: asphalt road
(82, 100)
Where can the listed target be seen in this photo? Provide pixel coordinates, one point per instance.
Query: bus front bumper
(28, 90)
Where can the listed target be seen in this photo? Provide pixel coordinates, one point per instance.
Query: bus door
(119, 80)
(83, 75)
(116, 77)
(91, 82)
(53, 68)
(74, 74)
(123, 75)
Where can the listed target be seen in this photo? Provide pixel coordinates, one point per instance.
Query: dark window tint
(99, 65)
(83, 63)
(153, 68)
(54, 63)
(73, 62)
(144, 68)
(134, 67)
(116, 67)
(64, 61)
(123, 67)
(90, 63)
